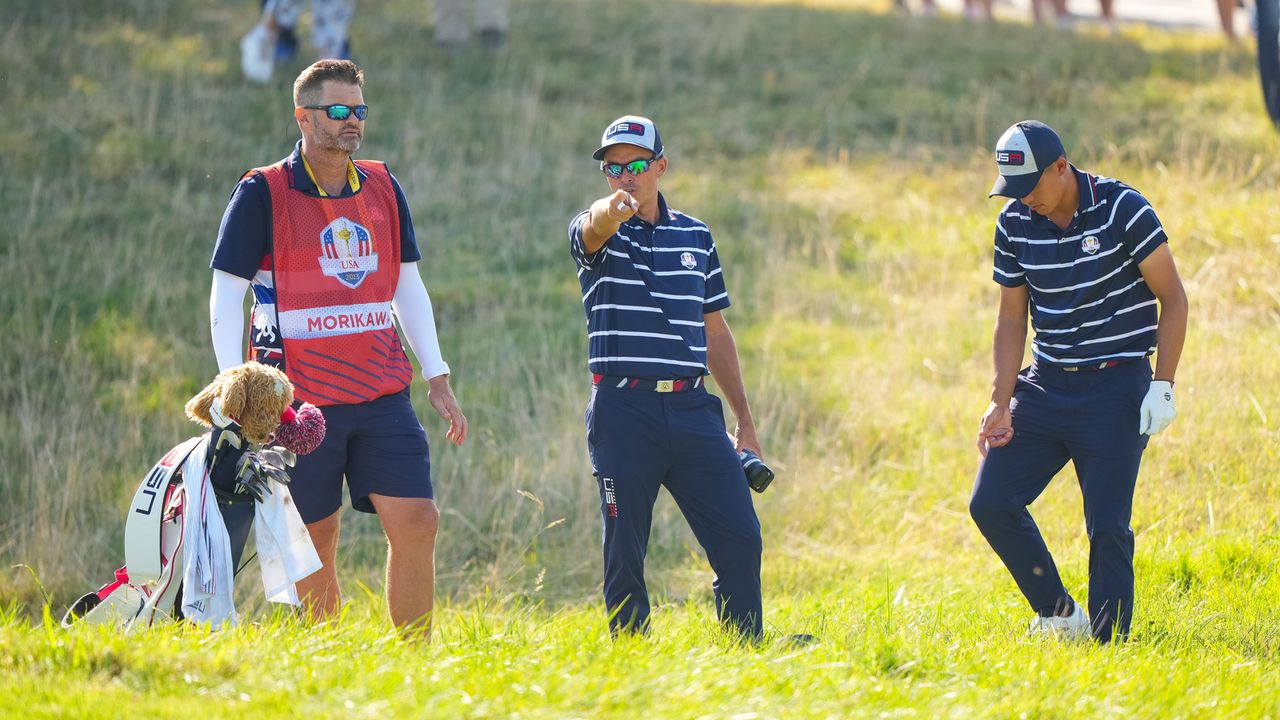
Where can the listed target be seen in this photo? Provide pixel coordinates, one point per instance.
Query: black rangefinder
(758, 474)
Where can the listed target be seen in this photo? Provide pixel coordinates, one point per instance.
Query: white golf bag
(233, 485)
(147, 589)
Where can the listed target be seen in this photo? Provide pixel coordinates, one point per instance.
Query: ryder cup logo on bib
(686, 259)
(348, 252)
(1090, 244)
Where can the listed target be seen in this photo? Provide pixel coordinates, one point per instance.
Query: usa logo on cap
(1023, 153)
(1010, 157)
(630, 130)
(1013, 153)
(625, 128)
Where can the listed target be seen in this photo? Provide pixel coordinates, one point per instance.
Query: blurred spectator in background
(979, 10)
(1266, 21)
(1038, 8)
(973, 9)
(927, 7)
(1227, 14)
(1063, 16)
(454, 20)
(1269, 56)
(273, 39)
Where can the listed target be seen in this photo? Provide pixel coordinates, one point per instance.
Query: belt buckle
(664, 386)
(1071, 368)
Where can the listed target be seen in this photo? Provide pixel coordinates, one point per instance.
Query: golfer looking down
(1086, 258)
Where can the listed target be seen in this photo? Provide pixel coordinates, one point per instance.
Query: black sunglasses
(341, 112)
(635, 167)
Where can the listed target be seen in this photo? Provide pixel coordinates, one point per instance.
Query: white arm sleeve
(412, 307)
(226, 318)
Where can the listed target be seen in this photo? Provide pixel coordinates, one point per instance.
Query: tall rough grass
(840, 156)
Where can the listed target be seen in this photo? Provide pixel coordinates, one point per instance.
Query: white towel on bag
(285, 552)
(207, 574)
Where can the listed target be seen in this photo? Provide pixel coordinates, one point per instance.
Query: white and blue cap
(630, 130)
(1022, 154)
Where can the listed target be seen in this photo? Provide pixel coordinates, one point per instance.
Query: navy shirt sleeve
(409, 251)
(585, 260)
(1143, 232)
(244, 237)
(1007, 271)
(716, 295)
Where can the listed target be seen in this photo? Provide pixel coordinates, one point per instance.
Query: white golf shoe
(258, 54)
(1073, 628)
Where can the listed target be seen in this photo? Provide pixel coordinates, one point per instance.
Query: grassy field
(842, 156)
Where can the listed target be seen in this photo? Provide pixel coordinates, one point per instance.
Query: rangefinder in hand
(758, 474)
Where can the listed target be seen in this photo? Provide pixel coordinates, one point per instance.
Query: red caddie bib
(336, 262)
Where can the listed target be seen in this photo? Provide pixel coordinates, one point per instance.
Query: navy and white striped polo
(645, 292)
(1089, 303)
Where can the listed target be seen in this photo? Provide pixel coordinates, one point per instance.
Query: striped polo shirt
(1089, 303)
(645, 292)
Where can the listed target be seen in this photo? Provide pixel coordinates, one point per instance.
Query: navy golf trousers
(1091, 419)
(641, 440)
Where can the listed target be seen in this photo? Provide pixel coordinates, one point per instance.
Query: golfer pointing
(653, 293)
(1087, 259)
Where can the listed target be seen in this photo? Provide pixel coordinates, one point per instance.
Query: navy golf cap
(630, 130)
(1022, 154)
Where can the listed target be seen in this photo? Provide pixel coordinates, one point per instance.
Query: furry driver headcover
(254, 395)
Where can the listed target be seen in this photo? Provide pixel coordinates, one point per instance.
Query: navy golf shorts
(378, 446)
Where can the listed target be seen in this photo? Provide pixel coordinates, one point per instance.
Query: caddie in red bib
(328, 247)
(333, 297)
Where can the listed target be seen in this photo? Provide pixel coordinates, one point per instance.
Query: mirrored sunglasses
(341, 112)
(635, 167)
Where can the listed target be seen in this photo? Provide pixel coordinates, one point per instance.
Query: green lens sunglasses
(635, 167)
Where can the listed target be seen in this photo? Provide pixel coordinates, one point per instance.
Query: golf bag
(239, 476)
(148, 588)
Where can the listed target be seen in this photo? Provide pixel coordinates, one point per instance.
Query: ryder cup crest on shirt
(688, 261)
(348, 252)
(1090, 244)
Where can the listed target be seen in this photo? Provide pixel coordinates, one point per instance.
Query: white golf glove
(1157, 408)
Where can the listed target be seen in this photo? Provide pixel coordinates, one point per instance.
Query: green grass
(885, 652)
(842, 157)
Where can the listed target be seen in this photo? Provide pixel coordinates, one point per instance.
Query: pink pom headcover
(303, 432)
